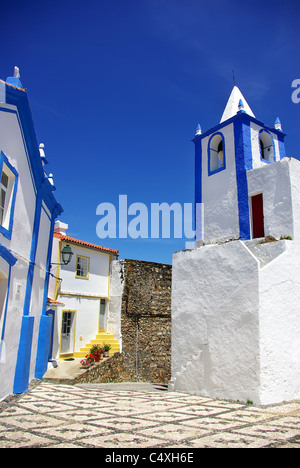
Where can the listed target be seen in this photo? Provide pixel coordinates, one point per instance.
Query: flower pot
(106, 354)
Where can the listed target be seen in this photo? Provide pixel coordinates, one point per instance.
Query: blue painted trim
(198, 172)
(243, 162)
(221, 168)
(7, 255)
(48, 263)
(34, 242)
(18, 98)
(198, 178)
(43, 347)
(14, 81)
(24, 353)
(6, 304)
(4, 160)
(51, 313)
(11, 260)
(281, 145)
(44, 330)
(21, 381)
(240, 115)
(263, 130)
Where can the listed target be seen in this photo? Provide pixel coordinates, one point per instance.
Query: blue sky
(118, 87)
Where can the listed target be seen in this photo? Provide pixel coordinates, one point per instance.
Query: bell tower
(226, 157)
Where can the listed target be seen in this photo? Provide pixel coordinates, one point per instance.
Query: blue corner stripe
(243, 161)
(43, 346)
(198, 177)
(45, 321)
(281, 146)
(21, 382)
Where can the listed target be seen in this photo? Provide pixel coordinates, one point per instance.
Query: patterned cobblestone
(52, 415)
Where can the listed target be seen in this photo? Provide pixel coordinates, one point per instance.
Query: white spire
(233, 104)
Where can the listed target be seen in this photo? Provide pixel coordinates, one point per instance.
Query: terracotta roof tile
(83, 243)
(52, 301)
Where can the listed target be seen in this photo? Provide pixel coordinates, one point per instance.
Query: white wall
(97, 284)
(235, 307)
(117, 281)
(255, 129)
(280, 326)
(273, 180)
(12, 145)
(86, 321)
(215, 309)
(81, 295)
(221, 220)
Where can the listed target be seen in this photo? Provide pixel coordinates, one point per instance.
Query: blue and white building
(236, 297)
(28, 210)
(231, 162)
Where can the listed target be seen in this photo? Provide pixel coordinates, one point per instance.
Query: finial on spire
(278, 124)
(198, 130)
(42, 154)
(15, 79)
(50, 178)
(16, 72)
(233, 77)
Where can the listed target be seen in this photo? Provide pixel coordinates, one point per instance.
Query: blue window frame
(216, 154)
(8, 191)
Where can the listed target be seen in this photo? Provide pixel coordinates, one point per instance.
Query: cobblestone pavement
(92, 416)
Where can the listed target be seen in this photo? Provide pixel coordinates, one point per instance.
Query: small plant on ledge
(107, 348)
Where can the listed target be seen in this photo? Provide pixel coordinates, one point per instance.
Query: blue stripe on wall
(45, 322)
(198, 179)
(243, 161)
(24, 353)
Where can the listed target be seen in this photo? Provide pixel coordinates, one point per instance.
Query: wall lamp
(66, 256)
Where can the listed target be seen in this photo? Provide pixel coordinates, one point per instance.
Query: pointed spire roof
(233, 104)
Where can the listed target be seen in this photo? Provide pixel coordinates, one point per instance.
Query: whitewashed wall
(236, 306)
(97, 284)
(274, 181)
(219, 193)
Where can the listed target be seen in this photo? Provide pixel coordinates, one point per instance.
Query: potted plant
(107, 348)
(97, 352)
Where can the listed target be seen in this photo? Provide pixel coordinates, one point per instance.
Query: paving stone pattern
(52, 415)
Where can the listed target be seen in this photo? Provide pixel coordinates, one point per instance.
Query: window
(82, 267)
(8, 190)
(216, 154)
(266, 146)
(3, 195)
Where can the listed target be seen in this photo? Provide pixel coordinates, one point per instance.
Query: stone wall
(142, 306)
(146, 319)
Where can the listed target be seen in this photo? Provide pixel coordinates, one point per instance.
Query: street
(116, 416)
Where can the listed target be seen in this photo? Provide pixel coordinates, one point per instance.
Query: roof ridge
(67, 238)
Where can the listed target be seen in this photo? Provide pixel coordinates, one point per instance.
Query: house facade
(28, 210)
(78, 297)
(235, 298)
